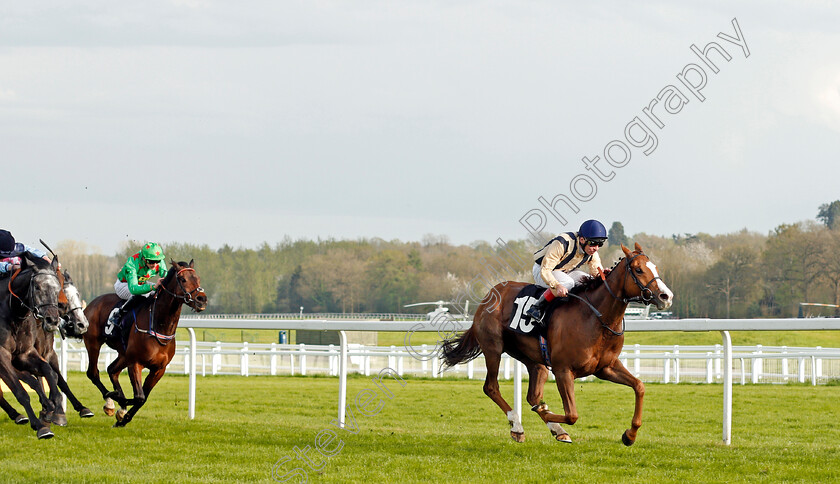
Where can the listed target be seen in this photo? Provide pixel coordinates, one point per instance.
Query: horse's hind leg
(538, 374)
(93, 347)
(491, 389)
(617, 373)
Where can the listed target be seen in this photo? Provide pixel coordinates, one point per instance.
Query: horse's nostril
(663, 296)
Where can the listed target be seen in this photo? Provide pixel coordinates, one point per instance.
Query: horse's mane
(171, 272)
(31, 259)
(592, 282)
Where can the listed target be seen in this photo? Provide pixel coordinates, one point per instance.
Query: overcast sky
(244, 122)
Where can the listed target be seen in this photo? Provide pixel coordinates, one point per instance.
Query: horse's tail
(460, 349)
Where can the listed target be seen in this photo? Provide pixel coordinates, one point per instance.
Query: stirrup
(113, 321)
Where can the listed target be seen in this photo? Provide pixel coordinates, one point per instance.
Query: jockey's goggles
(595, 242)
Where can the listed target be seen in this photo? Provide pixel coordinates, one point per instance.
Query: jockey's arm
(553, 256)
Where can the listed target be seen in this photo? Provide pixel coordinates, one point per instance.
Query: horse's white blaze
(515, 424)
(75, 301)
(660, 283)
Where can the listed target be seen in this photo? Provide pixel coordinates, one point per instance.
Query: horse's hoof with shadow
(626, 440)
(59, 419)
(21, 419)
(517, 436)
(85, 413)
(45, 433)
(565, 438)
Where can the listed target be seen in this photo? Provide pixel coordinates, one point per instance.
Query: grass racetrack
(433, 431)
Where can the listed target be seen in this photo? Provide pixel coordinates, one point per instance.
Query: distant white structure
(637, 312)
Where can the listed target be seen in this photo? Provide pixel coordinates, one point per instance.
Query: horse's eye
(639, 270)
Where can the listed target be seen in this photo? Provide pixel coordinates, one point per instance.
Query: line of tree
(742, 274)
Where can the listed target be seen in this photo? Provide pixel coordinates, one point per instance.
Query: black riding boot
(125, 308)
(536, 311)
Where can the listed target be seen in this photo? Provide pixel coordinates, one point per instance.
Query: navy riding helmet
(7, 243)
(592, 229)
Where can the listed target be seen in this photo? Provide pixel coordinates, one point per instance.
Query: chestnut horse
(585, 336)
(151, 341)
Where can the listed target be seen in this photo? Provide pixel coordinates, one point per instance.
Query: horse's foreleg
(537, 376)
(47, 407)
(151, 380)
(617, 373)
(84, 412)
(12, 412)
(43, 368)
(10, 376)
(566, 386)
(114, 369)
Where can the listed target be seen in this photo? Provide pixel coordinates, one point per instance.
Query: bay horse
(33, 288)
(151, 339)
(74, 323)
(585, 336)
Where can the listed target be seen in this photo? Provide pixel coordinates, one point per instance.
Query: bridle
(186, 298)
(645, 295)
(36, 310)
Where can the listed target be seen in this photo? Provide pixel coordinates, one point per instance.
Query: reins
(34, 310)
(164, 339)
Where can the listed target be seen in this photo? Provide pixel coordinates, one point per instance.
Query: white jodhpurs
(121, 288)
(568, 281)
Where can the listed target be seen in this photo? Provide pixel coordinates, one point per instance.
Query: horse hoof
(45, 433)
(626, 440)
(518, 436)
(21, 419)
(121, 414)
(59, 419)
(564, 438)
(109, 411)
(85, 413)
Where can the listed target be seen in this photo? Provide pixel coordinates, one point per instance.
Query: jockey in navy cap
(558, 265)
(10, 252)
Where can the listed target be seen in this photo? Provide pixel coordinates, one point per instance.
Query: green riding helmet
(152, 251)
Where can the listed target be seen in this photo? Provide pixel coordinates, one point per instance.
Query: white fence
(677, 366)
(663, 364)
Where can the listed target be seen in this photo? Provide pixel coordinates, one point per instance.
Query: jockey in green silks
(133, 284)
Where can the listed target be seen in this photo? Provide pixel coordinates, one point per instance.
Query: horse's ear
(67, 276)
(626, 250)
(173, 263)
(638, 248)
(191, 263)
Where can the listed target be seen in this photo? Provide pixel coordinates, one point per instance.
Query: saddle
(122, 329)
(520, 322)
